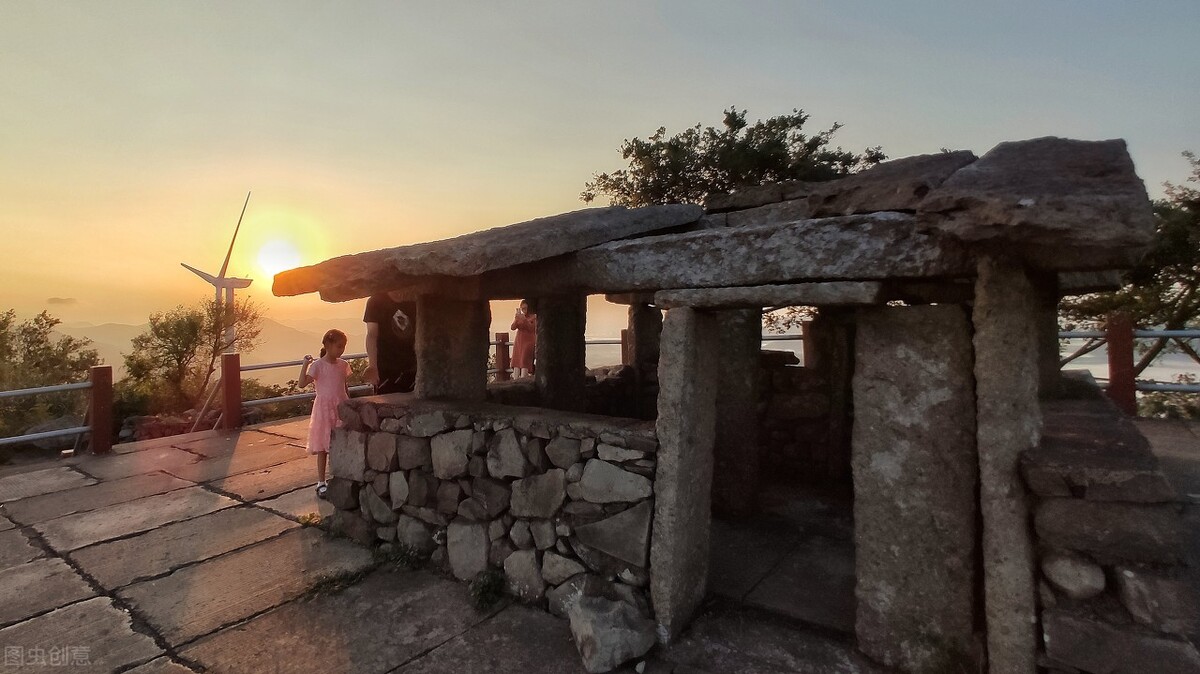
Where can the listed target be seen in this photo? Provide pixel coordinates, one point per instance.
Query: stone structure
(933, 278)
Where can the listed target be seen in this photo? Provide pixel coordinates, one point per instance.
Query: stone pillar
(1009, 420)
(645, 329)
(915, 477)
(452, 348)
(559, 362)
(683, 478)
(833, 338)
(739, 333)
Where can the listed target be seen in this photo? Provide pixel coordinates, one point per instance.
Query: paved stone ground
(191, 554)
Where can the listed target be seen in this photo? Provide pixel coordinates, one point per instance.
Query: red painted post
(503, 361)
(626, 357)
(1122, 388)
(231, 394)
(808, 350)
(100, 409)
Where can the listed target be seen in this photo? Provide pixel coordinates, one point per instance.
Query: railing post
(231, 394)
(100, 409)
(503, 360)
(808, 350)
(1122, 388)
(626, 357)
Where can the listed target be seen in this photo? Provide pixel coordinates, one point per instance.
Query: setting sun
(277, 255)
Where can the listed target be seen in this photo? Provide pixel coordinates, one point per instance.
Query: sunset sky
(130, 132)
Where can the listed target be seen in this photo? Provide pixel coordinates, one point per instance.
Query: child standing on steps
(330, 373)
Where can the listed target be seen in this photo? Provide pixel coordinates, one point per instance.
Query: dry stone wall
(560, 503)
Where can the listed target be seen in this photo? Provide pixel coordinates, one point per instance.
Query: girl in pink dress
(330, 373)
(525, 346)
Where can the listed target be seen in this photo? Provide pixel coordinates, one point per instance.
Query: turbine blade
(235, 233)
(207, 277)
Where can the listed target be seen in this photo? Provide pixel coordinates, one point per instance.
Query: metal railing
(1122, 383)
(99, 415)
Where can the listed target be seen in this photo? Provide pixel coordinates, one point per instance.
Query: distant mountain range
(277, 342)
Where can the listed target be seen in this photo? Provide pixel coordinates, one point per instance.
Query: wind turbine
(228, 284)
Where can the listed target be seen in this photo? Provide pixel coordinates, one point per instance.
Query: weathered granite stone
(448, 496)
(386, 534)
(413, 453)
(356, 276)
(415, 534)
(539, 495)
(562, 529)
(427, 515)
(1164, 601)
(501, 549)
(1094, 646)
(493, 495)
(450, 452)
(1006, 386)
(769, 214)
(1065, 204)
(521, 535)
(343, 493)
(556, 569)
(833, 293)
(505, 458)
(544, 535)
(616, 454)
(452, 349)
(682, 506)
(428, 423)
(524, 575)
(350, 419)
(379, 510)
(896, 185)
(743, 198)
(575, 472)
(381, 452)
(561, 598)
(467, 549)
(625, 535)
(914, 485)
(535, 453)
(350, 524)
(380, 484)
(497, 530)
(391, 425)
(563, 452)
(736, 445)
(472, 510)
(602, 482)
(635, 576)
(1073, 575)
(582, 511)
(369, 416)
(421, 487)
(348, 455)
(608, 633)
(1112, 532)
(852, 248)
(397, 489)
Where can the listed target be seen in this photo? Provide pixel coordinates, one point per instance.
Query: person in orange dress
(525, 345)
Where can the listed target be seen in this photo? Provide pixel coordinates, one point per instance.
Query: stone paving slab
(224, 443)
(516, 641)
(742, 553)
(161, 665)
(37, 482)
(75, 531)
(199, 599)
(16, 549)
(154, 553)
(299, 503)
(814, 582)
(750, 642)
(374, 626)
(94, 631)
(166, 441)
(243, 461)
(117, 466)
(48, 506)
(39, 586)
(296, 429)
(271, 482)
(6, 524)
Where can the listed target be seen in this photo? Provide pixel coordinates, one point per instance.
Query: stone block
(415, 534)
(349, 523)
(625, 535)
(524, 576)
(608, 633)
(1112, 532)
(467, 549)
(602, 482)
(493, 495)
(450, 453)
(563, 452)
(1165, 601)
(1094, 646)
(539, 496)
(521, 535)
(348, 455)
(428, 423)
(452, 349)
(422, 487)
(413, 453)
(448, 496)
(379, 510)
(343, 493)
(896, 185)
(557, 569)
(381, 452)
(505, 458)
(1074, 575)
(397, 489)
(544, 535)
(535, 453)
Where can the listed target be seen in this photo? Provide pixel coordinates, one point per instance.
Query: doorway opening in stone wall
(790, 552)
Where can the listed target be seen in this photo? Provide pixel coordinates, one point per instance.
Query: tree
(173, 361)
(32, 354)
(684, 168)
(1163, 290)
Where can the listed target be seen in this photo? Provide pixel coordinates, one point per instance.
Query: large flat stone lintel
(833, 293)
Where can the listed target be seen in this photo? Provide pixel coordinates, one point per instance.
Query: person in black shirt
(391, 344)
